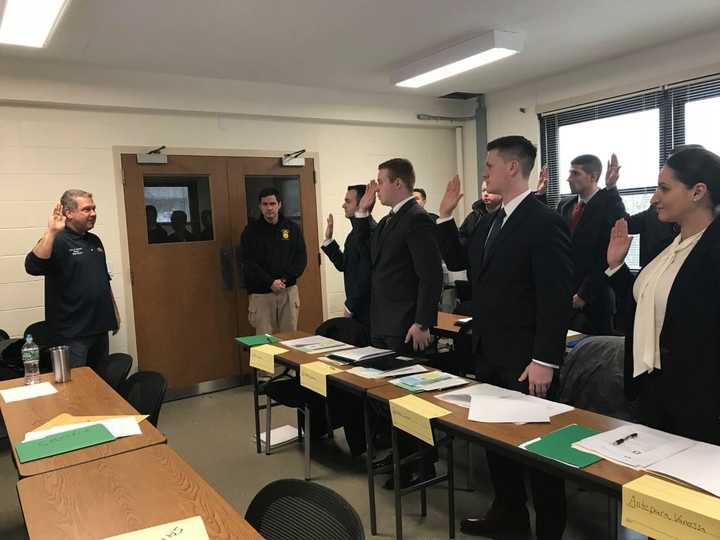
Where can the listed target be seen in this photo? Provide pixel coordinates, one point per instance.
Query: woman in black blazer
(672, 347)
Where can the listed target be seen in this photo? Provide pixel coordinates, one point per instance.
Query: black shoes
(497, 520)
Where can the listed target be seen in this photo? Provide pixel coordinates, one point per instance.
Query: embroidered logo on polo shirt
(75, 251)
(285, 234)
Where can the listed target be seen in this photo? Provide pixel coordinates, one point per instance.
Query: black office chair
(297, 510)
(4, 335)
(145, 391)
(114, 369)
(344, 329)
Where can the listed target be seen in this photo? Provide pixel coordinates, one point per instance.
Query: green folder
(262, 339)
(558, 446)
(61, 443)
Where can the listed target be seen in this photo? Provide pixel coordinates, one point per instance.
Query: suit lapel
(518, 216)
(386, 226)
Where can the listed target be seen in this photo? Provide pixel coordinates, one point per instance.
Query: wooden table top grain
(85, 395)
(124, 493)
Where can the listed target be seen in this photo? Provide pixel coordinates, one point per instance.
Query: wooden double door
(184, 223)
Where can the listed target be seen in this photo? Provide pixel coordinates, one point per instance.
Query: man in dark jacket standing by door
(274, 258)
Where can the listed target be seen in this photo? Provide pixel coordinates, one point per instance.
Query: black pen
(623, 439)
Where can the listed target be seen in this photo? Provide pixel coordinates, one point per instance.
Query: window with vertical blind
(641, 129)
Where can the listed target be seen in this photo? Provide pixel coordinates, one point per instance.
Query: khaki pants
(271, 312)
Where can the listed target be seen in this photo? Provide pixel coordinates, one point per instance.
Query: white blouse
(651, 291)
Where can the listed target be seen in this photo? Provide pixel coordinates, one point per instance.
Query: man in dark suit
(405, 258)
(521, 264)
(354, 262)
(590, 214)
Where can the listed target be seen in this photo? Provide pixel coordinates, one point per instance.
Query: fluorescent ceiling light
(468, 55)
(29, 22)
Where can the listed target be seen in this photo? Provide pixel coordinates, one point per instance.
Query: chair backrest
(592, 377)
(301, 510)
(145, 391)
(346, 330)
(114, 369)
(4, 335)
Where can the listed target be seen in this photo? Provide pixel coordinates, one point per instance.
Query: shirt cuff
(610, 272)
(554, 366)
(359, 214)
(443, 220)
(326, 243)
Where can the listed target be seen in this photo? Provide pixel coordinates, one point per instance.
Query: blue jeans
(89, 350)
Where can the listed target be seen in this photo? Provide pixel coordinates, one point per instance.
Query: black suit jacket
(406, 271)
(522, 292)
(590, 240)
(355, 265)
(690, 336)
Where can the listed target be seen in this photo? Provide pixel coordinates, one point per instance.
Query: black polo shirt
(78, 299)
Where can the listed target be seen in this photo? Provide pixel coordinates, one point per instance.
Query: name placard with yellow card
(263, 357)
(313, 376)
(413, 414)
(664, 510)
(186, 529)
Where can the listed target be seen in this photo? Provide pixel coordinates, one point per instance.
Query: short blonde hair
(68, 199)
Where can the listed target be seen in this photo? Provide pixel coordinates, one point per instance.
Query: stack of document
(316, 345)
(647, 449)
(358, 355)
(425, 382)
(118, 426)
(372, 373)
(488, 403)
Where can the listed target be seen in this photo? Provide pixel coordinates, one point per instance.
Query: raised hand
(56, 221)
(329, 228)
(612, 173)
(451, 198)
(542, 181)
(619, 245)
(368, 198)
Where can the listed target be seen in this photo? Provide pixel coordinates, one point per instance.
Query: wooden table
(123, 493)
(85, 395)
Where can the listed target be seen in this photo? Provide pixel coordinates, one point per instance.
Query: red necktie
(576, 215)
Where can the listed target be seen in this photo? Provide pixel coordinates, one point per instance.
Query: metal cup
(61, 363)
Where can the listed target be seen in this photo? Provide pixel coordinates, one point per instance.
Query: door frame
(122, 275)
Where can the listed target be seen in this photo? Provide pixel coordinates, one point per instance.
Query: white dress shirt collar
(398, 206)
(511, 205)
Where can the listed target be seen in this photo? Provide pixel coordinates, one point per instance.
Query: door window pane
(701, 121)
(289, 188)
(178, 209)
(634, 137)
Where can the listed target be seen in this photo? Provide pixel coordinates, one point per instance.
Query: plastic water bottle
(31, 360)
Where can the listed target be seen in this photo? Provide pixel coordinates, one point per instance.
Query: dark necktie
(576, 215)
(498, 221)
(384, 223)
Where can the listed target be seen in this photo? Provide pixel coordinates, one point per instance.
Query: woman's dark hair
(694, 165)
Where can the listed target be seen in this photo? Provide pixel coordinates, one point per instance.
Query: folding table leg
(268, 423)
(451, 488)
(307, 442)
(612, 518)
(396, 484)
(256, 408)
(369, 457)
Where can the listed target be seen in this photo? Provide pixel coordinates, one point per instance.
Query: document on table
(27, 391)
(313, 376)
(123, 426)
(506, 409)
(634, 445)
(65, 419)
(424, 382)
(462, 396)
(263, 357)
(363, 353)
(413, 414)
(372, 373)
(699, 466)
(316, 345)
(185, 529)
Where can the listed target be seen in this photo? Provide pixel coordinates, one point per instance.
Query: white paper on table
(118, 427)
(409, 370)
(462, 396)
(452, 382)
(648, 448)
(552, 407)
(28, 391)
(366, 372)
(505, 409)
(699, 466)
(316, 344)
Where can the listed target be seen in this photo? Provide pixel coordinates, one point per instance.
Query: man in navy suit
(520, 261)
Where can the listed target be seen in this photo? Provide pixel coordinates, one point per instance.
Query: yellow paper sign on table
(263, 357)
(665, 510)
(186, 529)
(413, 414)
(313, 376)
(66, 419)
